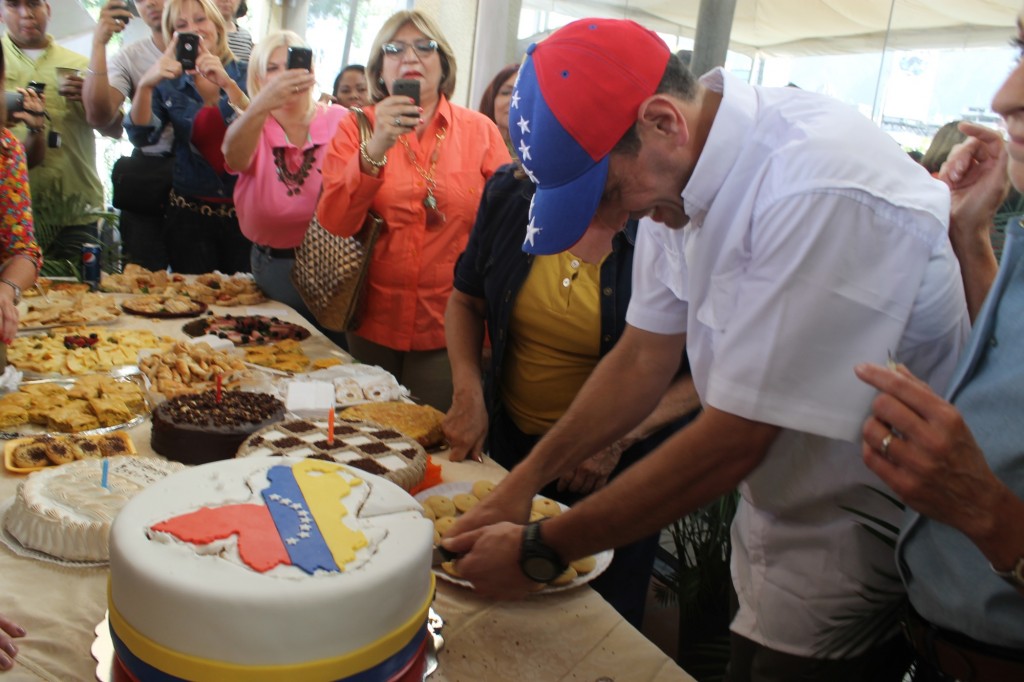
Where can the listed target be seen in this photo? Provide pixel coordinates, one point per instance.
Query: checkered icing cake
(363, 445)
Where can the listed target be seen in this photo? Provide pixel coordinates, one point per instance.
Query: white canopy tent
(815, 27)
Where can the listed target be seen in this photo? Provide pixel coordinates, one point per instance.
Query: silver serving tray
(126, 373)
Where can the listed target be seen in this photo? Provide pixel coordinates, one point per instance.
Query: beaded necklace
(293, 181)
(430, 201)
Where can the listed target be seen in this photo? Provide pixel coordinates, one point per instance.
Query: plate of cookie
(446, 502)
(163, 307)
(25, 455)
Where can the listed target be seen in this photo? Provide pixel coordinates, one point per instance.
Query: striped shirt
(240, 43)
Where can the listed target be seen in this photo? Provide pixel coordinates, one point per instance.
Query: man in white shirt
(786, 239)
(108, 84)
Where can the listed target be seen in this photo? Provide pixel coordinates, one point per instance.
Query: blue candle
(106, 469)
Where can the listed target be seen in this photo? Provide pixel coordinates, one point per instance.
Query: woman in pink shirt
(277, 148)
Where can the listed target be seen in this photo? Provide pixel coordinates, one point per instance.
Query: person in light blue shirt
(958, 463)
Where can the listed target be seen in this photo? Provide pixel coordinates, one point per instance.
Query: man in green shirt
(69, 166)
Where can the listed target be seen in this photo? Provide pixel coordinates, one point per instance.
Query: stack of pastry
(91, 402)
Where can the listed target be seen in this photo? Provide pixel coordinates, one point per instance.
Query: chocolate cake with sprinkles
(364, 445)
(197, 428)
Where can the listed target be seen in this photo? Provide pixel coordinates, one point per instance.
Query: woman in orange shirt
(423, 171)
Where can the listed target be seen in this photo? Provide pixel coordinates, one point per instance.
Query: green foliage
(701, 585)
(61, 245)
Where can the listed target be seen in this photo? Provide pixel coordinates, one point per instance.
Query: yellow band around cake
(192, 667)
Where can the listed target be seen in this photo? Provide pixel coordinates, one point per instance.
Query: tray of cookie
(444, 503)
(62, 309)
(95, 404)
(72, 351)
(32, 453)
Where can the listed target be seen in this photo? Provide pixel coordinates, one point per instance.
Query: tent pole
(876, 116)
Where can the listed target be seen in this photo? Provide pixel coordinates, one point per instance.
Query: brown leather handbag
(330, 271)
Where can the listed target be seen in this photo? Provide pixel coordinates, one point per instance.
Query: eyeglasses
(397, 48)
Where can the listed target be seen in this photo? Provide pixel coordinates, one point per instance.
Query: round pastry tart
(373, 448)
(246, 329)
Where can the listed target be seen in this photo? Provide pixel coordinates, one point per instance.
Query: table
(572, 635)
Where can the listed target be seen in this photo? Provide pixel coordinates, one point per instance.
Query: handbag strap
(365, 127)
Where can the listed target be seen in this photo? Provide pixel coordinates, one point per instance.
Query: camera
(15, 102)
(187, 50)
(36, 86)
(300, 58)
(410, 87)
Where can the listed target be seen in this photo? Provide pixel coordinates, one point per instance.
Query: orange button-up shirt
(412, 267)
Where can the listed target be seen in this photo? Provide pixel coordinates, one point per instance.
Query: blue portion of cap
(560, 215)
(569, 182)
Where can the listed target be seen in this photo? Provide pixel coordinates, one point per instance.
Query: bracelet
(36, 130)
(366, 157)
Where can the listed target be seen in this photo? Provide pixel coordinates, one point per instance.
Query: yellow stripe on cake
(192, 667)
(319, 482)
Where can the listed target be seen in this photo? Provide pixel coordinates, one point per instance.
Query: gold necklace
(430, 201)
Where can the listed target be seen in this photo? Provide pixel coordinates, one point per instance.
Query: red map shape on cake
(259, 545)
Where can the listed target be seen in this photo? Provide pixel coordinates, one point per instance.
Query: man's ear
(660, 115)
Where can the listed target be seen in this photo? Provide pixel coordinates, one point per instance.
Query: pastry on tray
(422, 423)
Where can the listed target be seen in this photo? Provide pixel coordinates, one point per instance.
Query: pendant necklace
(430, 201)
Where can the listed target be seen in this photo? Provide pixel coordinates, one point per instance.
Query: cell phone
(300, 58)
(130, 4)
(14, 101)
(410, 87)
(187, 50)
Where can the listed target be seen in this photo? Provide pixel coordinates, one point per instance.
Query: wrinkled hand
(491, 561)
(975, 171)
(209, 66)
(502, 504)
(8, 318)
(166, 68)
(285, 87)
(592, 474)
(8, 649)
(35, 106)
(934, 463)
(395, 116)
(71, 89)
(114, 17)
(465, 427)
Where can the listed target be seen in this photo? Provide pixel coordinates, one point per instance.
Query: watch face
(540, 569)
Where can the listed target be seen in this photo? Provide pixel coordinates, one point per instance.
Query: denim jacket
(176, 103)
(494, 267)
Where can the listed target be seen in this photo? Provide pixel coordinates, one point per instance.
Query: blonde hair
(429, 28)
(172, 10)
(261, 53)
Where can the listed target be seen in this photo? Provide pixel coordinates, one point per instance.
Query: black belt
(276, 253)
(960, 657)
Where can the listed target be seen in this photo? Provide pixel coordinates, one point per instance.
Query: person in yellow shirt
(69, 167)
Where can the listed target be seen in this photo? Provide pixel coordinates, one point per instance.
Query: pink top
(267, 214)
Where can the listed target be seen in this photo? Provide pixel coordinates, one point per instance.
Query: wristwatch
(1015, 576)
(539, 562)
(17, 289)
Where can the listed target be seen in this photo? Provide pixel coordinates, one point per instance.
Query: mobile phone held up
(187, 50)
(300, 58)
(410, 87)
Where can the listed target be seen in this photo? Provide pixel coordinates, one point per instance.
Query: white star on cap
(531, 232)
(524, 150)
(524, 125)
(515, 100)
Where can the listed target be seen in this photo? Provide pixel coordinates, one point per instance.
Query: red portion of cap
(595, 73)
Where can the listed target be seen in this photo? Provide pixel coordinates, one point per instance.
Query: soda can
(91, 265)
